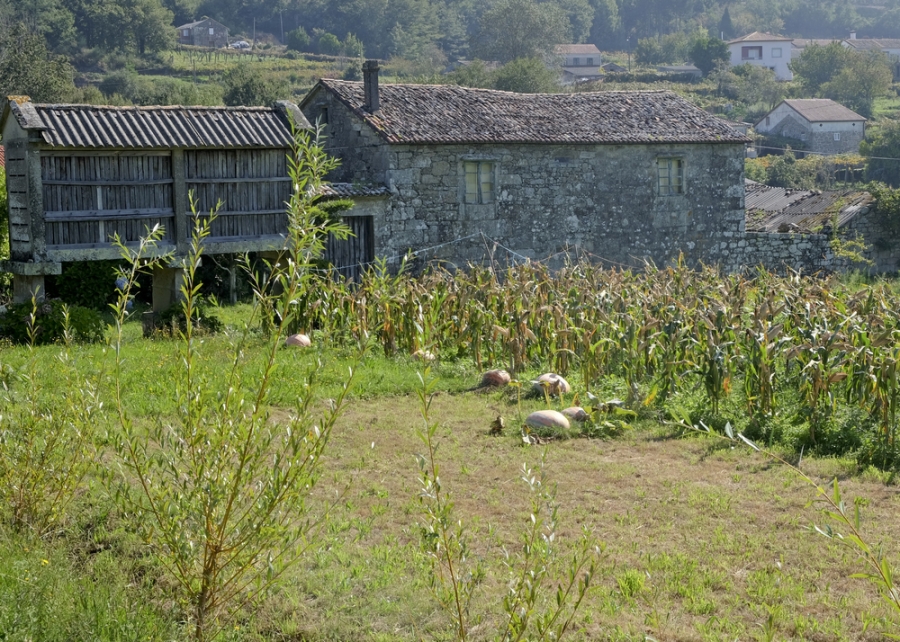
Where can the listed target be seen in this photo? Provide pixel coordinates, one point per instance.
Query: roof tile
(451, 114)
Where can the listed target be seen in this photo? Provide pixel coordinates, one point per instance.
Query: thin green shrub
(219, 491)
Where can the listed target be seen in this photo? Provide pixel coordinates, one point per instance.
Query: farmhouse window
(479, 181)
(590, 62)
(186, 32)
(212, 31)
(837, 135)
(670, 173)
(576, 61)
(751, 53)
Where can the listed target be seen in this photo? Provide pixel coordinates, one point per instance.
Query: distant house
(799, 45)
(888, 46)
(205, 32)
(764, 50)
(688, 70)
(476, 175)
(579, 62)
(822, 125)
(613, 68)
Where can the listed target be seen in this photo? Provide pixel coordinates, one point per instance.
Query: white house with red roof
(764, 50)
(821, 125)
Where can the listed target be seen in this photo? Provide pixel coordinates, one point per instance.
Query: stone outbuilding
(821, 125)
(205, 32)
(477, 175)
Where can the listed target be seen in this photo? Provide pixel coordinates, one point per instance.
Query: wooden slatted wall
(90, 197)
(252, 186)
(351, 257)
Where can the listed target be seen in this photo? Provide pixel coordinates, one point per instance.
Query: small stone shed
(205, 32)
(78, 174)
(623, 176)
(820, 124)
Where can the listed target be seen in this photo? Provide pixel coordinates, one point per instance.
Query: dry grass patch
(704, 542)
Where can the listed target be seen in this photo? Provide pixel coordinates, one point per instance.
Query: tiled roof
(348, 190)
(820, 110)
(562, 50)
(93, 126)
(758, 36)
(775, 209)
(801, 43)
(451, 114)
(869, 44)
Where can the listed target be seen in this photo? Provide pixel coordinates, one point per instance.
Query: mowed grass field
(702, 541)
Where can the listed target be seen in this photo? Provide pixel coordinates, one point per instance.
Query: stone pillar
(167, 282)
(26, 286)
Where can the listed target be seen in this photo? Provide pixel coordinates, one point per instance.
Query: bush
(173, 319)
(84, 325)
(297, 40)
(89, 284)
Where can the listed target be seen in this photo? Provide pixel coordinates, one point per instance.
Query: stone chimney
(853, 35)
(370, 86)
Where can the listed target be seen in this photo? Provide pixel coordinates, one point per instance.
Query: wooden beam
(161, 181)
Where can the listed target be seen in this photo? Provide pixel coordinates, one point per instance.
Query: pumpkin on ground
(543, 419)
(554, 384)
(300, 340)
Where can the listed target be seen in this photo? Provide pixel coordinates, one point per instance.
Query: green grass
(703, 541)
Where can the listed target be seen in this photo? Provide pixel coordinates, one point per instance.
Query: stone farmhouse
(205, 32)
(624, 176)
(764, 50)
(821, 125)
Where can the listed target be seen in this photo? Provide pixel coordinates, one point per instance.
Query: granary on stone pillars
(478, 175)
(79, 174)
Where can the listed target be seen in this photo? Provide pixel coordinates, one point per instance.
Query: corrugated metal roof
(91, 126)
(775, 209)
(424, 114)
(349, 190)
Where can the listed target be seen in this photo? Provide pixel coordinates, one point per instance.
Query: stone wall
(598, 200)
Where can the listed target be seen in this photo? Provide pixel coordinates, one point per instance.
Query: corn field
(803, 359)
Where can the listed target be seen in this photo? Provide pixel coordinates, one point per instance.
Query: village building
(579, 62)
(890, 47)
(205, 32)
(624, 176)
(77, 175)
(820, 125)
(764, 50)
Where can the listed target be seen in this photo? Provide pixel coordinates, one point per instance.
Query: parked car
(240, 44)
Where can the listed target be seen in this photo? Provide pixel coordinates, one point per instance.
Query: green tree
(726, 29)
(513, 29)
(606, 25)
(882, 146)
(527, 76)
(150, 26)
(865, 77)
(706, 53)
(297, 39)
(817, 65)
(648, 52)
(329, 44)
(580, 15)
(474, 74)
(27, 67)
(758, 85)
(246, 86)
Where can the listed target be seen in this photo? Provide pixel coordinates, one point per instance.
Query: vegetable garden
(799, 360)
